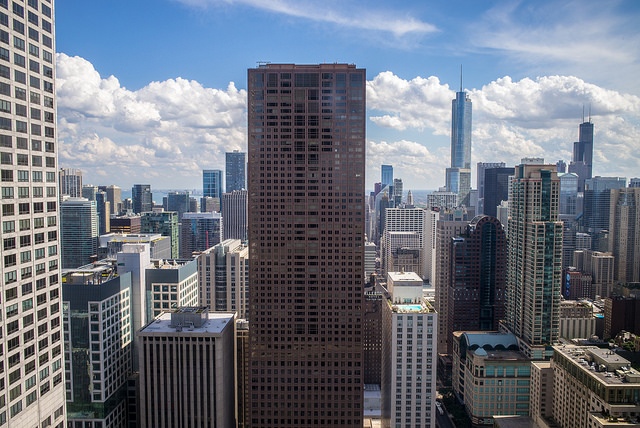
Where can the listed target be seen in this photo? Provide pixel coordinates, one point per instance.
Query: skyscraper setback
(306, 236)
(459, 174)
(32, 370)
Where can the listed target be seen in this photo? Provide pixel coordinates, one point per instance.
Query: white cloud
(515, 119)
(167, 132)
(333, 12)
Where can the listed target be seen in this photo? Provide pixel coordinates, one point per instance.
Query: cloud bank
(167, 132)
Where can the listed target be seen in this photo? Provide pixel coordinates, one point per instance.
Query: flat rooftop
(404, 276)
(604, 365)
(215, 324)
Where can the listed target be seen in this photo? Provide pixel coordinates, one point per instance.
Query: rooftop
(604, 365)
(404, 276)
(214, 324)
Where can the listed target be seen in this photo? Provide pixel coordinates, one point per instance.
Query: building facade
(478, 274)
(78, 232)
(199, 231)
(234, 214)
(624, 233)
(71, 182)
(534, 273)
(223, 277)
(306, 125)
(142, 198)
(170, 284)
(235, 171)
(97, 359)
(458, 176)
(31, 282)
(409, 358)
(212, 183)
(187, 370)
(164, 223)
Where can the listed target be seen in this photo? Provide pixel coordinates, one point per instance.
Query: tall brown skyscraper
(306, 242)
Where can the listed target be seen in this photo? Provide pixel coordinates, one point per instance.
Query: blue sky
(153, 91)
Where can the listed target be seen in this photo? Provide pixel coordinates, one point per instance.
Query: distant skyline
(154, 91)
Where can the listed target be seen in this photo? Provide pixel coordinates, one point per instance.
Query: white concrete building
(408, 354)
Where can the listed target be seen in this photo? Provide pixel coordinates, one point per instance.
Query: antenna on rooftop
(460, 77)
(589, 112)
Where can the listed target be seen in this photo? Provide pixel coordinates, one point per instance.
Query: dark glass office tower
(142, 198)
(235, 170)
(306, 240)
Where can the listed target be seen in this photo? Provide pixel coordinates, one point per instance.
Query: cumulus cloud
(333, 12)
(515, 119)
(167, 130)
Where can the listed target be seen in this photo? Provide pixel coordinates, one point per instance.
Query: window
(21, 126)
(34, 34)
(34, 82)
(18, 59)
(25, 241)
(23, 208)
(18, 43)
(18, 10)
(50, 162)
(25, 256)
(37, 175)
(51, 220)
(48, 101)
(21, 110)
(38, 207)
(36, 145)
(10, 260)
(36, 129)
(6, 158)
(34, 50)
(5, 122)
(19, 76)
(34, 66)
(7, 192)
(21, 94)
(23, 192)
(4, 54)
(6, 174)
(35, 112)
(23, 175)
(37, 192)
(25, 224)
(46, 55)
(5, 106)
(5, 141)
(22, 143)
(8, 210)
(9, 243)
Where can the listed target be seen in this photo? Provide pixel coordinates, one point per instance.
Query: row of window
(23, 192)
(22, 126)
(23, 144)
(7, 175)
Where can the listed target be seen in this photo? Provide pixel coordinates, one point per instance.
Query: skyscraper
(78, 232)
(234, 214)
(624, 233)
(98, 361)
(114, 196)
(534, 258)
(459, 174)
(235, 170)
(307, 249)
(199, 231)
(142, 198)
(386, 175)
(212, 183)
(582, 161)
(71, 182)
(164, 223)
(478, 278)
(496, 188)
(597, 197)
(31, 248)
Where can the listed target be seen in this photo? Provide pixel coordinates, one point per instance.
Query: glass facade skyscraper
(235, 171)
(386, 175)
(459, 174)
(212, 183)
